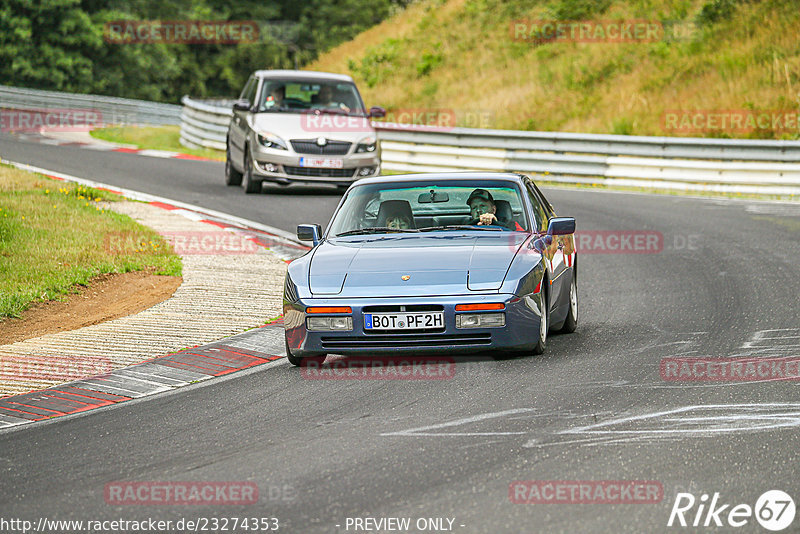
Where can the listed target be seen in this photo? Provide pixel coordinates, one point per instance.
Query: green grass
(153, 137)
(56, 236)
(461, 55)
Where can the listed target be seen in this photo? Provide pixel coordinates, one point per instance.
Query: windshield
(286, 96)
(430, 207)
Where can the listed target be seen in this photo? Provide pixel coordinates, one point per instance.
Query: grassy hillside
(460, 55)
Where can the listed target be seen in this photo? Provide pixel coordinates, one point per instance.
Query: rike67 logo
(774, 510)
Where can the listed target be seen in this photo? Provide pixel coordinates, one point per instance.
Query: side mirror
(377, 112)
(561, 226)
(309, 232)
(242, 105)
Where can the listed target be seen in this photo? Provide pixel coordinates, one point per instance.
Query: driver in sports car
(483, 210)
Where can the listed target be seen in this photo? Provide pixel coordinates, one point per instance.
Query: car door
(238, 128)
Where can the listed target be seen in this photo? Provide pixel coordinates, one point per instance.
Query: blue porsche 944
(433, 263)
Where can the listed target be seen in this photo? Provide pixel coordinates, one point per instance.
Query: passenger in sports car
(399, 222)
(483, 210)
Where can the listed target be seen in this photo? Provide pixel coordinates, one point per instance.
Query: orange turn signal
(481, 307)
(329, 309)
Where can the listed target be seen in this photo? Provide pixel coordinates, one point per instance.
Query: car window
(429, 205)
(547, 206)
(247, 90)
(251, 92)
(539, 210)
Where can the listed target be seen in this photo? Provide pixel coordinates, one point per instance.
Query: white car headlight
(270, 140)
(480, 320)
(317, 324)
(368, 144)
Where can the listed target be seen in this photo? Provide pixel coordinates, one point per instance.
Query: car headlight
(321, 324)
(480, 320)
(271, 141)
(368, 144)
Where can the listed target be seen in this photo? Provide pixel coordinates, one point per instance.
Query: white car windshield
(286, 96)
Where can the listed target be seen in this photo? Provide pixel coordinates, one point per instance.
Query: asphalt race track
(724, 282)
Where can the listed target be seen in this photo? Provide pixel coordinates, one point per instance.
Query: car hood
(305, 126)
(435, 264)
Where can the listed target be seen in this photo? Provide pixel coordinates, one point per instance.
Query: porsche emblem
(405, 278)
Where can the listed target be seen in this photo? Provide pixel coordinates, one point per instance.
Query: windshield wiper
(376, 230)
(336, 111)
(461, 227)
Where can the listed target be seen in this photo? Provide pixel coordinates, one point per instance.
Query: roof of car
(303, 75)
(441, 176)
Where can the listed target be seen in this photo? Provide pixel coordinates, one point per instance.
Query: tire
(294, 360)
(544, 323)
(297, 361)
(232, 176)
(571, 322)
(250, 185)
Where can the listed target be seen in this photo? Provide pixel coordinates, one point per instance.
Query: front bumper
(519, 333)
(284, 166)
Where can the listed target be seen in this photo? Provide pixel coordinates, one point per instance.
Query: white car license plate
(322, 163)
(403, 321)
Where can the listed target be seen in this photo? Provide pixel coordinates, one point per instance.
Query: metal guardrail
(204, 123)
(108, 109)
(757, 166)
(608, 145)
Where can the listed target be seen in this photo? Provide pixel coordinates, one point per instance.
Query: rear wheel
(544, 323)
(232, 176)
(571, 323)
(251, 185)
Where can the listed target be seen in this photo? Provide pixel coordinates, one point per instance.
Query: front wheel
(544, 325)
(571, 323)
(232, 176)
(298, 361)
(250, 184)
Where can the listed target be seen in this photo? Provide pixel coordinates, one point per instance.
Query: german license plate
(403, 321)
(322, 163)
